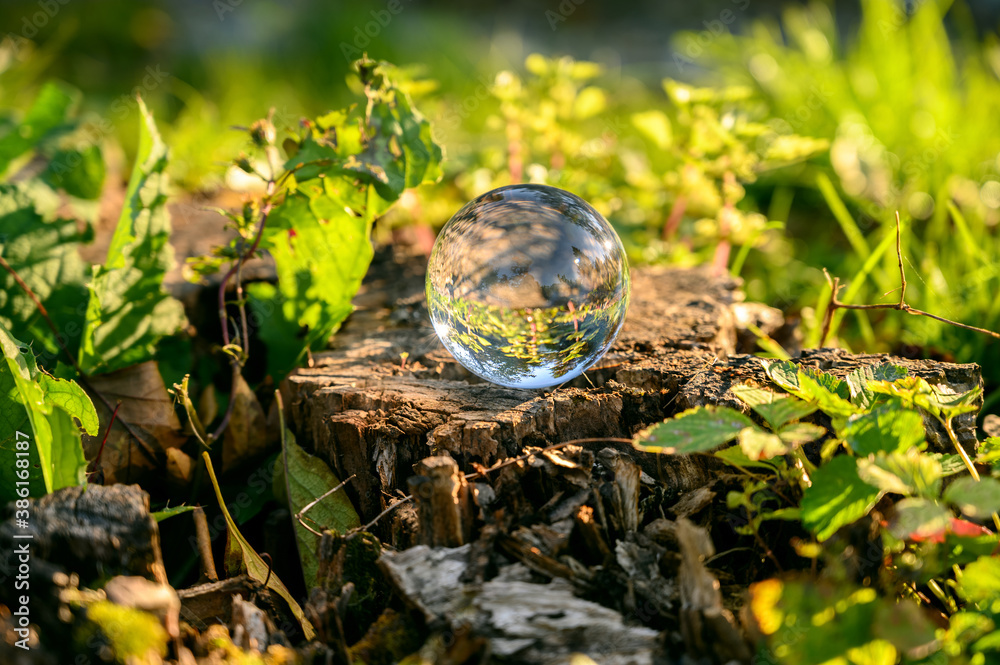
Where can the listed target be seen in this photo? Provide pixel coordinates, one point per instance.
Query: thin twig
(902, 273)
(767, 550)
(901, 306)
(309, 506)
(366, 527)
(84, 379)
(204, 541)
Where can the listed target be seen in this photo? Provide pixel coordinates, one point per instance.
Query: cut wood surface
(388, 394)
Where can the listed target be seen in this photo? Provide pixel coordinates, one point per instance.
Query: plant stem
(946, 423)
(805, 465)
(901, 306)
(236, 269)
(948, 602)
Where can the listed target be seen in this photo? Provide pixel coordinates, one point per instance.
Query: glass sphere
(527, 286)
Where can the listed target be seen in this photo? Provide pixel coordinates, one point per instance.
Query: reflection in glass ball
(527, 286)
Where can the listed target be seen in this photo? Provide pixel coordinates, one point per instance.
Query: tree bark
(388, 394)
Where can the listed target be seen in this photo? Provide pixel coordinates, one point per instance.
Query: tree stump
(388, 395)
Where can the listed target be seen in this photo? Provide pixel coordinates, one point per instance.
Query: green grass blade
(840, 212)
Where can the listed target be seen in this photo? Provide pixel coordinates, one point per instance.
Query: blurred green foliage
(907, 105)
(786, 148)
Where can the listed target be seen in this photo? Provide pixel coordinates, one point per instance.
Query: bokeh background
(774, 139)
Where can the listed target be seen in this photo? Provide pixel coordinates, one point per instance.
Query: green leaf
(758, 444)
(319, 234)
(43, 252)
(735, 456)
(987, 643)
(989, 451)
(71, 398)
(980, 581)
(812, 622)
(837, 497)
(48, 113)
(828, 381)
(876, 652)
(906, 388)
(825, 391)
(977, 500)
(886, 429)
(129, 311)
(909, 473)
(966, 627)
(915, 391)
(951, 464)
(784, 374)
(37, 413)
(776, 409)
(307, 479)
(79, 173)
(698, 430)
(241, 558)
(67, 465)
(421, 155)
(321, 253)
(948, 405)
(393, 152)
(797, 434)
(161, 515)
(858, 380)
(919, 517)
(903, 624)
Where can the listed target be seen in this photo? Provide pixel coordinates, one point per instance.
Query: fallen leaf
(179, 468)
(307, 479)
(241, 558)
(147, 408)
(246, 435)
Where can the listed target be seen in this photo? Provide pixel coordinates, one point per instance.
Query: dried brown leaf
(147, 407)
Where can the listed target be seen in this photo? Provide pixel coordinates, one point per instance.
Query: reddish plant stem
(236, 269)
(675, 217)
(94, 473)
(114, 414)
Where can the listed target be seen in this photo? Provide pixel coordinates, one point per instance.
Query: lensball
(527, 286)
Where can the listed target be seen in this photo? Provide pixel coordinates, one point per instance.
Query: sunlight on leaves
(909, 473)
(698, 430)
(40, 418)
(977, 500)
(775, 408)
(837, 497)
(129, 311)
